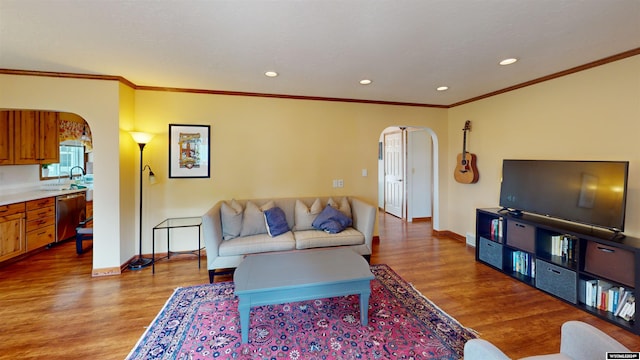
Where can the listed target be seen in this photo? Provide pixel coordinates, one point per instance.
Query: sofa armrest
(480, 349)
(580, 340)
(364, 219)
(212, 232)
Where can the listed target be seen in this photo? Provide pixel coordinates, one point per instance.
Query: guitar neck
(464, 143)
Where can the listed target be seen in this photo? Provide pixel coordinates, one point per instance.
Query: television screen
(587, 192)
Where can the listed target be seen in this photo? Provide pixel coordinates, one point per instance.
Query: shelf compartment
(557, 248)
(490, 252)
(610, 262)
(629, 325)
(521, 236)
(556, 280)
(490, 227)
(521, 265)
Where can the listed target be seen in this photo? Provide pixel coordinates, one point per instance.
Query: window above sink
(72, 154)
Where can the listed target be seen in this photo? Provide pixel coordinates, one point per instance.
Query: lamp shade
(141, 137)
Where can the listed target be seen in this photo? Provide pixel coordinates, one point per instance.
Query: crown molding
(609, 59)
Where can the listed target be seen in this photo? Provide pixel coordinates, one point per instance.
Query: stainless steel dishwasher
(70, 211)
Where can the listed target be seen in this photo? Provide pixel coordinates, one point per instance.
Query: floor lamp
(142, 139)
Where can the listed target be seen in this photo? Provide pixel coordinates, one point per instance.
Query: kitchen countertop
(17, 196)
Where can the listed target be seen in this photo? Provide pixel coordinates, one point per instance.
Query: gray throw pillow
(344, 206)
(304, 216)
(231, 217)
(253, 220)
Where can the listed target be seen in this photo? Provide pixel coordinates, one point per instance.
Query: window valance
(72, 128)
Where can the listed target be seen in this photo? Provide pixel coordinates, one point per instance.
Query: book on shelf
(603, 295)
(563, 246)
(628, 310)
(603, 291)
(523, 263)
(592, 293)
(585, 292)
(496, 229)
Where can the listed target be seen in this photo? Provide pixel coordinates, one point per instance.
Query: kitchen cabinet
(41, 220)
(12, 230)
(36, 139)
(6, 138)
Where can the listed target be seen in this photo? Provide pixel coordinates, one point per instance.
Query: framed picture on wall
(189, 151)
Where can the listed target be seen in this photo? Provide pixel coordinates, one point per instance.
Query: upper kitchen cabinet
(6, 138)
(36, 139)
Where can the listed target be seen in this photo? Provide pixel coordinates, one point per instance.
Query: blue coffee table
(278, 278)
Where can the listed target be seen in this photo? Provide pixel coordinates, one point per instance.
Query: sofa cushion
(257, 244)
(275, 221)
(231, 218)
(331, 220)
(344, 206)
(315, 238)
(304, 215)
(253, 219)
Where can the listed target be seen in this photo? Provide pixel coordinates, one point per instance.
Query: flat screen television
(588, 192)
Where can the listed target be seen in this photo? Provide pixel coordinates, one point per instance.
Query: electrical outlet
(340, 183)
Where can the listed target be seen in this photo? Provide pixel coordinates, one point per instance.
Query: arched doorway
(417, 148)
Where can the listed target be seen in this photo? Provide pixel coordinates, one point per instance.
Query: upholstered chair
(578, 341)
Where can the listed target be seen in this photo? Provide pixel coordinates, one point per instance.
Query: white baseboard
(471, 239)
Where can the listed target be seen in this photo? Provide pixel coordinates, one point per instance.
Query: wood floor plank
(51, 307)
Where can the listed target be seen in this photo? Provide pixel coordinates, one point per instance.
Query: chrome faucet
(71, 172)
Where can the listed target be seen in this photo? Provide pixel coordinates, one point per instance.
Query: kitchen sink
(55, 187)
(63, 187)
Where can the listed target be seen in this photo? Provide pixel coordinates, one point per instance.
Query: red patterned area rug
(202, 322)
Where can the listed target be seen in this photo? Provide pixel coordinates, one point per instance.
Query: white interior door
(394, 173)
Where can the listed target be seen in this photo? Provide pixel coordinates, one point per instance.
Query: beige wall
(96, 102)
(590, 115)
(260, 147)
(128, 179)
(265, 147)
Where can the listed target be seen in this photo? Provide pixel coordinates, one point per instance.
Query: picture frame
(189, 151)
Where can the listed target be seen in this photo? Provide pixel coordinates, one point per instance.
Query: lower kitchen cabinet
(41, 223)
(12, 230)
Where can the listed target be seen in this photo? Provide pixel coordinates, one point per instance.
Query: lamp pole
(140, 262)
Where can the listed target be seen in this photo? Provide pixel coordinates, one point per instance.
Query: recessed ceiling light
(442, 88)
(365, 82)
(271, 73)
(508, 61)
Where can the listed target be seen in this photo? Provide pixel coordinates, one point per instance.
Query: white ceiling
(320, 48)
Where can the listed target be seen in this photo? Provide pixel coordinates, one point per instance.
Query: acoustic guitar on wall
(466, 171)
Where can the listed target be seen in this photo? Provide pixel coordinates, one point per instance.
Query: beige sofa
(235, 228)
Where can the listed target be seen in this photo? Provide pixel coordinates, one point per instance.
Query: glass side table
(175, 223)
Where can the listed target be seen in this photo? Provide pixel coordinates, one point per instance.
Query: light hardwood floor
(51, 307)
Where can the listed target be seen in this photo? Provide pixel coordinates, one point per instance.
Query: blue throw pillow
(276, 221)
(331, 220)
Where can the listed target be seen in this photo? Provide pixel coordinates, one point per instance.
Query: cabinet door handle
(607, 250)
(554, 271)
(520, 225)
